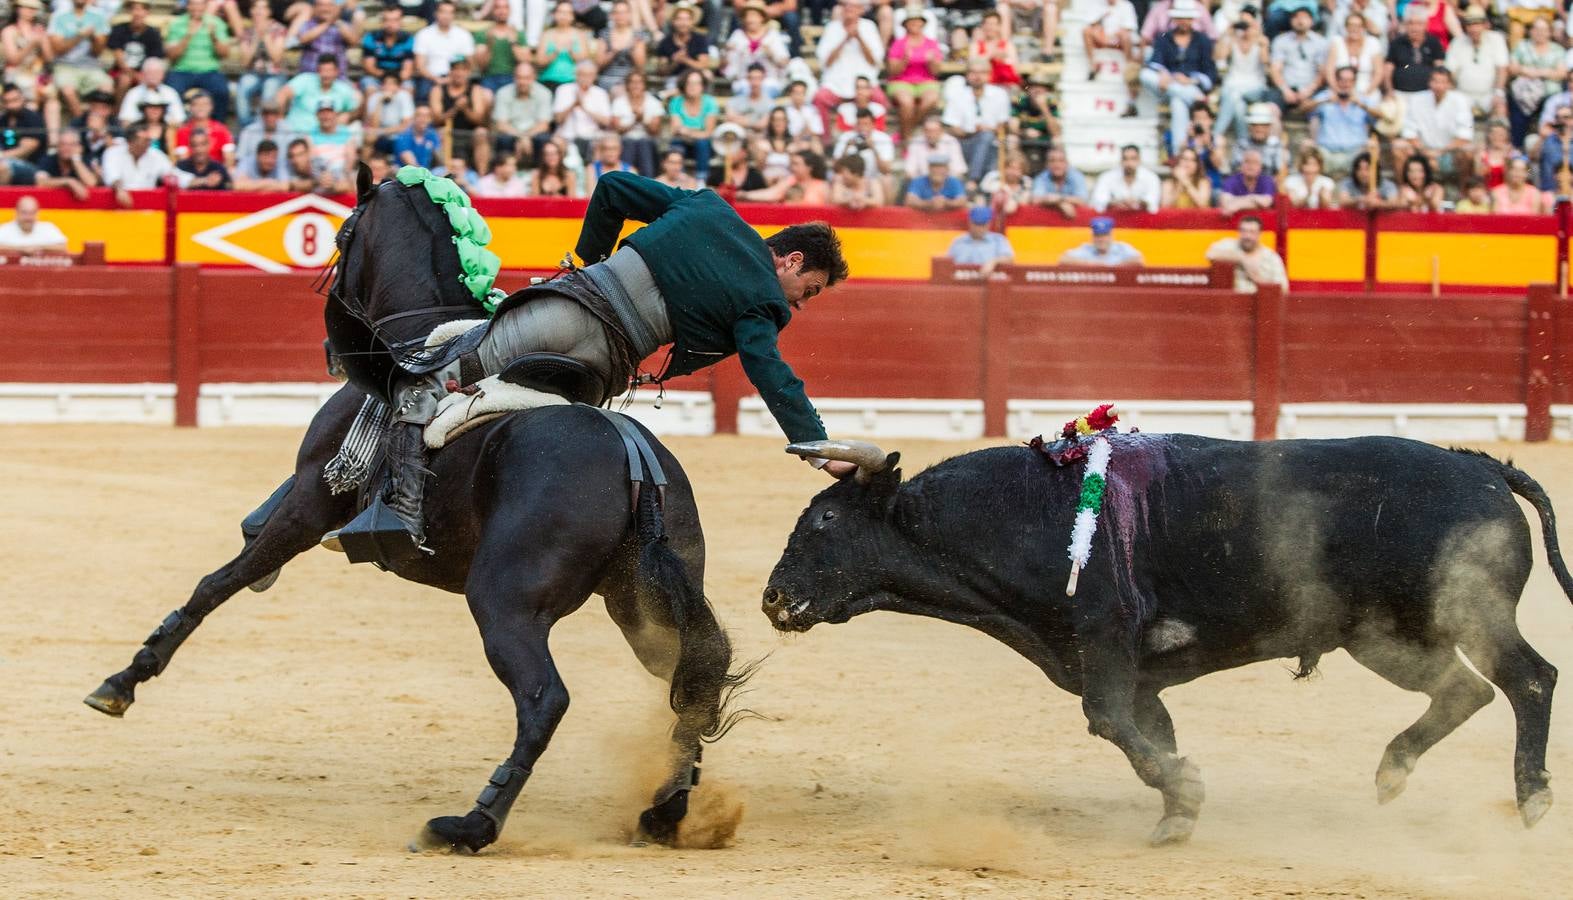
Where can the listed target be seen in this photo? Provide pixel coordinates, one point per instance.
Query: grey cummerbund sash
(625, 281)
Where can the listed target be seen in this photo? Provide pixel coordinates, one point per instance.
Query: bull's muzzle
(784, 613)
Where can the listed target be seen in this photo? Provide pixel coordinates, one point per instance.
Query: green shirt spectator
(195, 44)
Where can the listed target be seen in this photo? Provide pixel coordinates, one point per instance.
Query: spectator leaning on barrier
(1059, 186)
(1309, 188)
(150, 85)
(1103, 249)
(1130, 186)
(981, 246)
(28, 235)
(1254, 263)
(1181, 69)
(198, 42)
(268, 127)
(1187, 186)
(134, 164)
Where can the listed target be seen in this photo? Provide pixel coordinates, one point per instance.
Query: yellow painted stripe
(1484, 259)
(1334, 254)
(127, 235)
(1044, 246)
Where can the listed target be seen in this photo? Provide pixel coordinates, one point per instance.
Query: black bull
(1209, 555)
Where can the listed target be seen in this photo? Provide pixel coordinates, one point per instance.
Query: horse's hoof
(1191, 790)
(658, 824)
(1534, 807)
(456, 834)
(1172, 830)
(265, 582)
(1390, 782)
(110, 700)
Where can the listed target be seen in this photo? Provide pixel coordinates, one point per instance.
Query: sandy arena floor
(302, 736)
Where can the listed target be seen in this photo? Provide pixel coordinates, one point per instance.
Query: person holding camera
(1244, 46)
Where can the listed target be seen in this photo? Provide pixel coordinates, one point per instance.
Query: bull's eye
(829, 515)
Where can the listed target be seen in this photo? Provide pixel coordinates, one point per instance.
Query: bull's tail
(703, 682)
(1530, 490)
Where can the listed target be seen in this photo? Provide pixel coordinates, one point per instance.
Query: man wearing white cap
(1181, 68)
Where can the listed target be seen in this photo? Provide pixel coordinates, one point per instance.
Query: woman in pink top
(1516, 196)
(912, 65)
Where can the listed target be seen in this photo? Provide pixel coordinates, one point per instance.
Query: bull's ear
(363, 183)
(883, 484)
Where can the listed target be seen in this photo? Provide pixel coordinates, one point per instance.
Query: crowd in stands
(1420, 105)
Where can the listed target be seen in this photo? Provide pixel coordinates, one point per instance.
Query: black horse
(529, 516)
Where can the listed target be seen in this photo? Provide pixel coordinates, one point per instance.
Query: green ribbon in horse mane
(471, 234)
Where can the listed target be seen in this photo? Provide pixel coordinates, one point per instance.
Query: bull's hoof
(1172, 830)
(1390, 782)
(111, 700)
(1534, 807)
(658, 824)
(265, 582)
(456, 834)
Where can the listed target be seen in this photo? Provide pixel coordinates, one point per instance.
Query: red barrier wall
(994, 341)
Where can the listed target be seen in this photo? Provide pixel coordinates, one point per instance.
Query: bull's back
(1290, 531)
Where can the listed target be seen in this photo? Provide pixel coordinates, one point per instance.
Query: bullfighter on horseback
(695, 276)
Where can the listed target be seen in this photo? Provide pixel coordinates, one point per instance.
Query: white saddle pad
(459, 412)
(447, 331)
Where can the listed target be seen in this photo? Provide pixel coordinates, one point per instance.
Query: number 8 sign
(308, 239)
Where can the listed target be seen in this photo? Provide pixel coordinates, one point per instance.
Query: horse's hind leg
(287, 524)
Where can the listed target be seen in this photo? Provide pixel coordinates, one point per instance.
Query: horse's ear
(363, 183)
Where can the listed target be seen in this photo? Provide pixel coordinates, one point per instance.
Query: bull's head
(834, 563)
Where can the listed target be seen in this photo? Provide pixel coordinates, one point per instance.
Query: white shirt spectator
(1112, 186)
(771, 53)
(627, 123)
(1116, 17)
(439, 48)
(878, 157)
(147, 173)
(966, 111)
(1310, 195)
(580, 125)
(45, 235)
(842, 75)
(1437, 123)
(804, 118)
(1475, 71)
(131, 106)
(1261, 266)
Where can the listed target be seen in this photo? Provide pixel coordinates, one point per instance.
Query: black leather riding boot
(392, 529)
(407, 476)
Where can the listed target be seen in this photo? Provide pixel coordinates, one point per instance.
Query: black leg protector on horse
(659, 823)
(483, 824)
(497, 798)
(116, 694)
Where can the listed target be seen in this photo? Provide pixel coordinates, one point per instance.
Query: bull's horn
(868, 457)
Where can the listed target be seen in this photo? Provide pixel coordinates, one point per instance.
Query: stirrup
(377, 535)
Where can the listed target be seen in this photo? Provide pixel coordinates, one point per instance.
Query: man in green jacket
(696, 276)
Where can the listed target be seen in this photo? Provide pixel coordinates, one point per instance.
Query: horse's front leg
(288, 523)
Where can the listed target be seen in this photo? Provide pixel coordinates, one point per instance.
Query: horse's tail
(703, 679)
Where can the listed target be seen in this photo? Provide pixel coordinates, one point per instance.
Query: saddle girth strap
(643, 465)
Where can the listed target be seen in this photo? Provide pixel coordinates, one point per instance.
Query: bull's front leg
(1109, 698)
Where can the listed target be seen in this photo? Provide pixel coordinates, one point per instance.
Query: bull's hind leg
(1456, 694)
(1503, 656)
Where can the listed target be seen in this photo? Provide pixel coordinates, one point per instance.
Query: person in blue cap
(1103, 249)
(981, 246)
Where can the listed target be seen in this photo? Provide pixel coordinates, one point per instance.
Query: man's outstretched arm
(620, 196)
(781, 390)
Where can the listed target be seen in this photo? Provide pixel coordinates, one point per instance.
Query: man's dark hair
(1251, 220)
(301, 142)
(1132, 147)
(819, 245)
(267, 146)
(328, 58)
